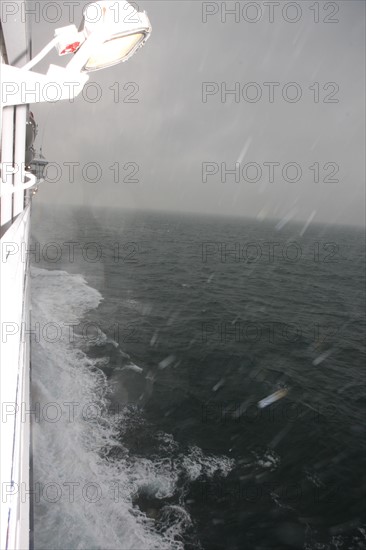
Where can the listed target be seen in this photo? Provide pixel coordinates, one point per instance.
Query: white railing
(14, 385)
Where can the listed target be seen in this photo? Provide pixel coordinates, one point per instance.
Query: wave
(88, 485)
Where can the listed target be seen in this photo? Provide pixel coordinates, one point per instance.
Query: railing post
(19, 155)
(7, 160)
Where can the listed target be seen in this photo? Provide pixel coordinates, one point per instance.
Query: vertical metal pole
(7, 144)
(19, 156)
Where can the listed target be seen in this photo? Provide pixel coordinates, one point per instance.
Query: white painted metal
(21, 87)
(7, 160)
(30, 181)
(14, 305)
(107, 20)
(14, 385)
(19, 154)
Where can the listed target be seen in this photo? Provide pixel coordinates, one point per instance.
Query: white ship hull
(15, 381)
(15, 303)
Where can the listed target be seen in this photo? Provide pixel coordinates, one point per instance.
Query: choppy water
(158, 335)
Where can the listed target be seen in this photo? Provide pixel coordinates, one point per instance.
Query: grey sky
(170, 131)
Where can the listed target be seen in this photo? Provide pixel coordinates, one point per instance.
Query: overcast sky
(170, 132)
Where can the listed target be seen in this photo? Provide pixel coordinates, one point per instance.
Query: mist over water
(179, 329)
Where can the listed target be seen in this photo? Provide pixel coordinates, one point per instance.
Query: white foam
(70, 451)
(196, 464)
(73, 454)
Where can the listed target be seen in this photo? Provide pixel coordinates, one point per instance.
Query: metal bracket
(21, 87)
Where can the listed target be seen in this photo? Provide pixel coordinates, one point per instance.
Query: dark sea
(156, 340)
